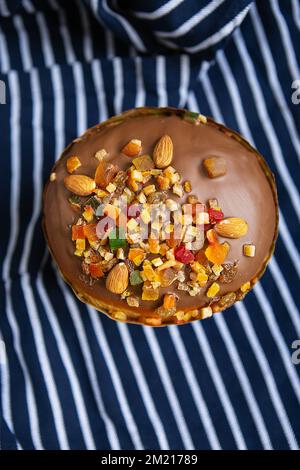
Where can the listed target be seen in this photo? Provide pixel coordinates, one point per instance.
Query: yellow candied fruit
(111, 188)
(149, 272)
(245, 286)
(249, 250)
(80, 244)
(145, 215)
(217, 269)
(88, 214)
(197, 267)
(202, 278)
(120, 316)
(187, 186)
(157, 262)
(149, 189)
(213, 290)
(179, 315)
(138, 260)
(150, 294)
(153, 321)
(153, 245)
(187, 316)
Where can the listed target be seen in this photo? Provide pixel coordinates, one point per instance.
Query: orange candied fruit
(90, 232)
(73, 163)
(96, 270)
(217, 253)
(169, 301)
(77, 232)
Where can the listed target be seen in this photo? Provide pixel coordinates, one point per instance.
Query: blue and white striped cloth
(71, 378)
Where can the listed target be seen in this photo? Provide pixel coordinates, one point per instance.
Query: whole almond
(163, 152)
(117, 279)
(80, 184)
(232, 227)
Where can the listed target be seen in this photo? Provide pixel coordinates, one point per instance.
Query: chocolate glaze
(244, 192)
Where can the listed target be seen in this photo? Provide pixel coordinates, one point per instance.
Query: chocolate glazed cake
(160, 216)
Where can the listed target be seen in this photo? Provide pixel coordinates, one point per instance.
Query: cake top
(161, 213)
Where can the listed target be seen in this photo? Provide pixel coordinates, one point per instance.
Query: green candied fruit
(135, 278)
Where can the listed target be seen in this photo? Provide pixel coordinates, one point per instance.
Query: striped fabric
(71, 378)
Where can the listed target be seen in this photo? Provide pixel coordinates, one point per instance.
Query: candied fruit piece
(105, 173)
(213, 290)
(217, 253)
(96, 270)
(215, 166)
(77, 232)
(73, 163)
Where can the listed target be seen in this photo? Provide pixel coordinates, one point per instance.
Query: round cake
(160, 216)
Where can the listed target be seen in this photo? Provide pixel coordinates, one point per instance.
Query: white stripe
(4, 56)
(28, 6)
(81, 110)
(278, 338)
(194, 388)
(160, 12)
(118, 84)
(169, 389)
(286, 40)
(87, 37)
(209, 94)
(100, 89)
(192, 104)
(273, 79)
(59, 110)
(244, 381)
(64, 31)
(267, 374)
(3, 8)
(25, 280)
(45, 40)
(6, 392)
(115, 377)
(192, 21)
(143, 387)
(23, 43)
(130, 31)
(84, 345)
(14, 218)
(161, 81)
(267, 123)
(224, 398)
(68, 365)
(140, 98)
(296, 12)
(184, 80)
(234, 95)
(225, 31)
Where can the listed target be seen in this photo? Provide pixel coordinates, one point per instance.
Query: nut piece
(133, 148)
(215, 166)
(205, 312)
(249, 250)
(163, 152)
(80, 184)
(101, 154)
(53, 176)
(73, 163)
(232, 227)
(117, 279)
